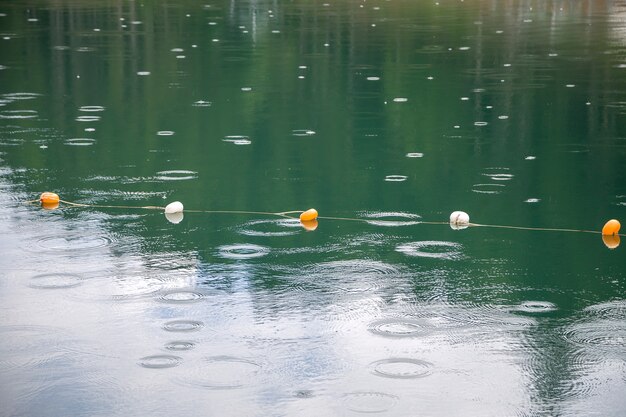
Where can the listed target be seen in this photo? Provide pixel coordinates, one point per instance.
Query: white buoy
(459, 220)
(174, 207)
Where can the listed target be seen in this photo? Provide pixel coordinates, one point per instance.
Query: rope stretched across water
(289, 215)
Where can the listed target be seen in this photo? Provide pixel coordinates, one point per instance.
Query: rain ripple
(183, 326)
(603, 328)
(91, 108)
(160, 361)
(20, 96)
(72, 243)
(598, 334)
(180, 345)
(88, 118)
(238, 140)
(222, 372)
(615, 310)
(302, 132)
(80, 142)
(401, 368)
(271, 227)
(487, 188)
(369, 401)
(357, 275)
(59, 280)
(181, 296)
(176, 175)
(396, 178)
(25, 346)
(122, 288)
(18, 114)
(401, 327)
(392, 219)
(432, 249)
(535, 307)
(455, 322)
(242, 251)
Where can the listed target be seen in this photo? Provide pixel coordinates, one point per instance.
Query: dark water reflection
(389, 113)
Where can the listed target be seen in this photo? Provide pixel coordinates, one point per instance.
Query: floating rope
(458, 219)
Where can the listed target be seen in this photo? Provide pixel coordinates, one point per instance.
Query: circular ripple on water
(401, 368)
(243, 251)
(222, 372)
(180, 345)
(18, 114)
(369, 401)
(396, 178)
(535, 307)
(72, 243)
(615, 310)
(584, 384)
(357, 275)
(183, 326)
(87, 118)
(202, 103)
(400, 327)
(392, 219)
(455, 321)
(181, 297)
(25, 346)
(271, 227)
(20, 96)
(599, 334)
(487, 188)
(238, 140)
(91, 108)
(12, 142)
(302, 132)
(499, 176)
(432, 249)
(122, 288)
(55, 281)
(80, 142)
(160, 361)
(176, 175)
(165, 133)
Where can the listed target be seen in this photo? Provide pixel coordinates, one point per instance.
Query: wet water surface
(386, 116)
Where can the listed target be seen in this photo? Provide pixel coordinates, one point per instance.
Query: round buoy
(611, 241)
(459, 218)
(611, 228)
(49, 198)
(307, 216)
(309, 225)
(174, 207)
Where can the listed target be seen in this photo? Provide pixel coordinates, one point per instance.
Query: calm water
(388, 112)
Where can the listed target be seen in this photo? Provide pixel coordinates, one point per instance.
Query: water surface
(389, 114)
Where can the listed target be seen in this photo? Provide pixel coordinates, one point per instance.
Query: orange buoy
(309, 225)
(307, 216)
(611, 241)
(611, 228)
(49, 198)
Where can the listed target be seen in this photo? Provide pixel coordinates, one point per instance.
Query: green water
(387, 114)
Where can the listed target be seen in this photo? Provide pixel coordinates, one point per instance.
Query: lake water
(385, 116)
